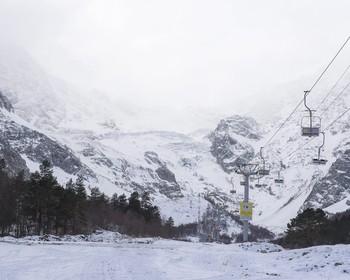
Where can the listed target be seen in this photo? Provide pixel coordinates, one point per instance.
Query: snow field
(167, 259)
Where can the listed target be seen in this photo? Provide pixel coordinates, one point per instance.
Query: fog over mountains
(185, 158)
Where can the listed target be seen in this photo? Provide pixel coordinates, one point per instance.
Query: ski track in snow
(166, 259)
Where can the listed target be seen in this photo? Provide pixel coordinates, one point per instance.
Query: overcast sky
(178, 52)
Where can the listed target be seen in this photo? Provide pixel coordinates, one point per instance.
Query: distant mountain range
(122, 148)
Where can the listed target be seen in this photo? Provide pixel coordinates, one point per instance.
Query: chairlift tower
(246, 170)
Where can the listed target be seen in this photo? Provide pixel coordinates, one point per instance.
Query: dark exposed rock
(152, 157)
(13, 160)
(97, 157)
(228, 151)
(156, 179)
(335, 186)
(5, 103)
(167, 183)
(165, 174)
(38, 147)
(170, 190)
(243, 126)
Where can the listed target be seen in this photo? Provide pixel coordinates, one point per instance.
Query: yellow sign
(246, 210)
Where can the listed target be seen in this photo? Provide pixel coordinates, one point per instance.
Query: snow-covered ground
(117, 257)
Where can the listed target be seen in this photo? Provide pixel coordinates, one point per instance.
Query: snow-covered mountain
(121, 148)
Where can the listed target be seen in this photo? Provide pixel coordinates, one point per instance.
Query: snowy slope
(136, 161)
(164, 259)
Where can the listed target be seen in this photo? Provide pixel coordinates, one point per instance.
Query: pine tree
(135, 203)
(98, 208)
(20, 187)
(308, 228)
(43, 187)
(149, 211)
(7, 204)
(122, 203)
(80, 203)
(169, 227)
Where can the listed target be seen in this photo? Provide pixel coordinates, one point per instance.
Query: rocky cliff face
(167, 183)
(232, 139)
(5, 103)
(335, 186)
(18, 141)
(14, 162)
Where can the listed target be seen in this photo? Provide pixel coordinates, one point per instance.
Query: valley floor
(166, 259)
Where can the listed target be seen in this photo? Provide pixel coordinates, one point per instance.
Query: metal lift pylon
(246, 170)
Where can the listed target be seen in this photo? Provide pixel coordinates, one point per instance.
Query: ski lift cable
(311, 139)
(330, 63)
(294, 141)
(335, 98)
(337, 119)
(308, 92)
(330, 125)
(320, 105)
(282, 125)
(346, 70)
(319, 78)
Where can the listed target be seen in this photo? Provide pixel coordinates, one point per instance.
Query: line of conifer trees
(41, 205)
(313, 227)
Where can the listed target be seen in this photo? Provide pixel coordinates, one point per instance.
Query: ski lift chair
(279, 179)
(258, 185)
(319, 160)
(310, 125)
(233, 191)
(263, 171)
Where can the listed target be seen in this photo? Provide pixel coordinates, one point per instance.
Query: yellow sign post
(246, 211)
